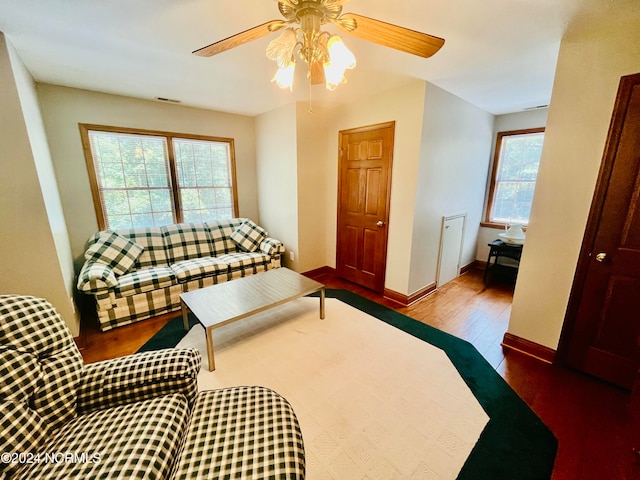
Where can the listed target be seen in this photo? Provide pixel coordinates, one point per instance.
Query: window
(142, 178)
(513, 181)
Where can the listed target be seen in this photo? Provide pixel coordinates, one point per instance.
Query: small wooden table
(499, 249)
(227, 302)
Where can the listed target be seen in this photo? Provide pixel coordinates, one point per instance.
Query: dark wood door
(602, 331)
(364, 187)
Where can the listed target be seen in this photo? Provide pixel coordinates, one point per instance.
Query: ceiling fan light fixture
(340, 54)
(341, 59)
(326, 56)
(284, 76)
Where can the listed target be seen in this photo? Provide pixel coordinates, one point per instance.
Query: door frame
(595, 212)
(341, 134)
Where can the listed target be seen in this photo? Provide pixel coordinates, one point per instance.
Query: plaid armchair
(139, 416)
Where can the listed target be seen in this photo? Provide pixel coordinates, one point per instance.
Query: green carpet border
(515, 442)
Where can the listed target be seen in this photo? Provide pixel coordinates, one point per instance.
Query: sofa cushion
(144, 280)
(198, 267)
(248, 236)
(244, 261)
(114, 250)
(134, 441)
(242, 432)
(184, 241)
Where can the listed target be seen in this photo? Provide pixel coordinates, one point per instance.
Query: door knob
(380, 223)
(601, 257)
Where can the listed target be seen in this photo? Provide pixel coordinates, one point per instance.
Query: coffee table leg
(185, 315)
(322, 303)
(212, 363)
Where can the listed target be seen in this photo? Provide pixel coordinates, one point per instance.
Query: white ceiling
(499, 54)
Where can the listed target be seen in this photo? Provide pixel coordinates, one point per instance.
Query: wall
(35, 256)
(63, 108)
(601, 45)
(314, 164)
(405, 105)
(454, 154)
(504, 123)
(277, 173)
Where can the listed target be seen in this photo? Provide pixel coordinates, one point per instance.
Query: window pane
(516, 174)
(204, 179)
(133, 178)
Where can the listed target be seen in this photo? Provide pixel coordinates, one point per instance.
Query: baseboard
(317, 272)
(475, 265)
(406, 300)
(518, 344)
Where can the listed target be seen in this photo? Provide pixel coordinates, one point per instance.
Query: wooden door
(602, 329)
(364, 187)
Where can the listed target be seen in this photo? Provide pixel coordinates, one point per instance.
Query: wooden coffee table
(227, 302)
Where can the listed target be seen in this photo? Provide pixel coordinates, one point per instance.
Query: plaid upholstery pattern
(248, 262)
(272, 247)
(134, 441)
(152, 240)
(119, 311)
(95, 276)
(19, 374)
(174, 259)
(55, 400)
(248, 236)
(144, 280)
(139, 377)
(243, 432)
(132, 417)
(31, 325)
(220, 234)
(184, 241)
(114, 250)
(23, 431)
(198, 267)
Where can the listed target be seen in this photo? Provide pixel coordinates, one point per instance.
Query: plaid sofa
(139, 273)
(139, 416)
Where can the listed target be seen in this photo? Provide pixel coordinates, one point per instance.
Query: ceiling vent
(168, 100)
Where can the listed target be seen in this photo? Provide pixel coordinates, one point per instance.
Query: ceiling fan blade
(316, 71)
(240, 38)
(390, 35)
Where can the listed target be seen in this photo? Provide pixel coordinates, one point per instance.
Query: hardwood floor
(591, 419)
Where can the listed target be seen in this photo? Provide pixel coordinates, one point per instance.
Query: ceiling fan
(325, 54)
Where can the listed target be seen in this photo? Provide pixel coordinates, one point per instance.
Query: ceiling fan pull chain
(310, 89)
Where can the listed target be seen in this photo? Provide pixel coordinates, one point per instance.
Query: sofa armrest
(272, 247)
(95, 277)
(138, 377)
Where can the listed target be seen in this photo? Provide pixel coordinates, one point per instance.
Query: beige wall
(405, 105)
(456, 140)
(598, 48)
(277, 173)
(314, 166)
(504, 123)
(63, 108)
(35, 256)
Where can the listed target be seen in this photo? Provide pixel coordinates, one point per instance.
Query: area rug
(374, 402)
